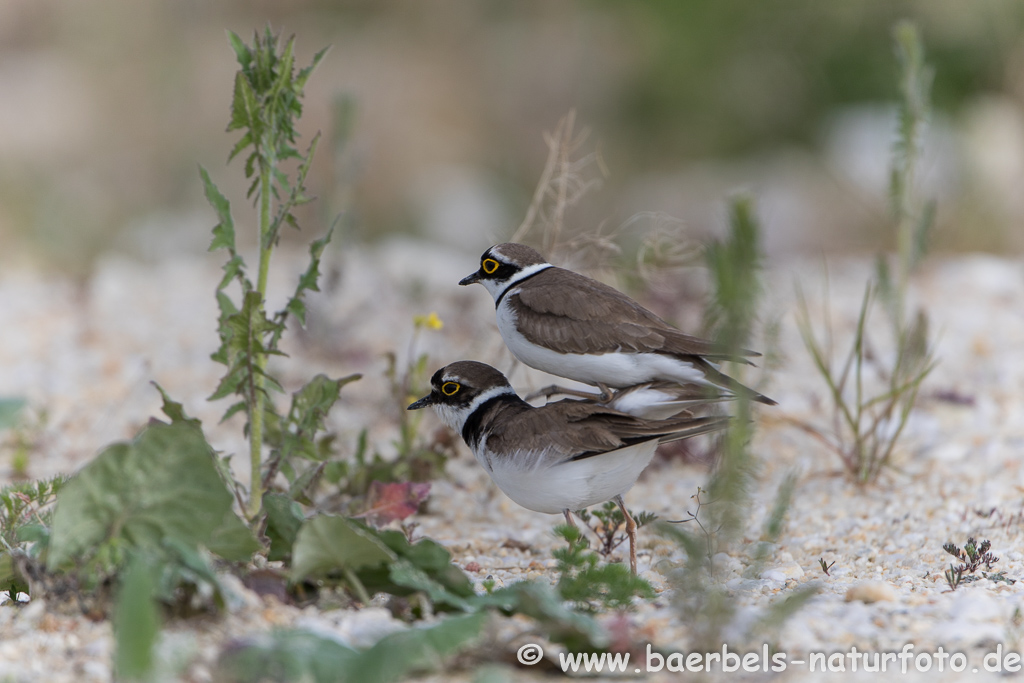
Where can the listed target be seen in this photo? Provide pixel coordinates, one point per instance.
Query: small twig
(554, 146)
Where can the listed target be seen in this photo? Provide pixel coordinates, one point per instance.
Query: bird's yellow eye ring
(450, 388)
(489, 265)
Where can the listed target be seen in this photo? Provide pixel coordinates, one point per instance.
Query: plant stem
(259, 393)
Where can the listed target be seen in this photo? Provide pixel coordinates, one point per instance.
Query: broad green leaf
(400, 654)
(284, 519)
(426, 556)
(232, 540)
(304, 656)
(404, 573)
(285, 656)
(327, 544)
(136, 621)
(164, 485)
(577, 631)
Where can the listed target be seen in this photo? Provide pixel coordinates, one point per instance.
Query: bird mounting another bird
(572, 326)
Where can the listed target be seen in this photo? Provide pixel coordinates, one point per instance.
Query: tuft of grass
(867, 423)
(708, 607)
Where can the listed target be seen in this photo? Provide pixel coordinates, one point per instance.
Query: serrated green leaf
(163, 485)
(242, 53)
(284, 68)
(304, 74)
(235, 408)
(224, 231)
(305, 482)
(244, 107)
(175, 410)
(228, 385)
(240, 146)
(327, 544)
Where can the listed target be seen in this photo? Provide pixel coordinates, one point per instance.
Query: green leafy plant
(25, 512)
(160, 488)
(971, 557)
(720, 517)
(866, 424)
(267, 102)
(296, 655)
(869, 417)
(590, 585)
(609, 525)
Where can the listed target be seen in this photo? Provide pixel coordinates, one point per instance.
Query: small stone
(472, 566)
(872, 591)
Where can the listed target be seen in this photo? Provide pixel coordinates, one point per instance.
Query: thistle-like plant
(267, 101)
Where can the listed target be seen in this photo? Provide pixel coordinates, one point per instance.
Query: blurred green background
(434, 113)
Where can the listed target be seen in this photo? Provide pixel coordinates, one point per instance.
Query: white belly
(572, 485)
(616, 369)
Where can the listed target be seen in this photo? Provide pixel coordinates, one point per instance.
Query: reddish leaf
(387, 502)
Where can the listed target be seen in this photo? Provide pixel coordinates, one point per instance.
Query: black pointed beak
(427, 400)
(470, 279)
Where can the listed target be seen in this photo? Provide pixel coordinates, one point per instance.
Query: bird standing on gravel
(560, 457)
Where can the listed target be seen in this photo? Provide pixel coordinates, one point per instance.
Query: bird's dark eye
(489, 265)
(450, 388)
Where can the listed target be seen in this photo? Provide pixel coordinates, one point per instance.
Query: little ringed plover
(572, 326)
(560, 457)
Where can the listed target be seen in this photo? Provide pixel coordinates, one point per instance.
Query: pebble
(871, 591)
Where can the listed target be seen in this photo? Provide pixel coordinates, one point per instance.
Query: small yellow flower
(431, 321)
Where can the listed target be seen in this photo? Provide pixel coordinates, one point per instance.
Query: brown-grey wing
(582, 315)
(562, 431)
(572, 430)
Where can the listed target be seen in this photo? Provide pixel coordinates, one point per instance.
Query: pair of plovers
(571, 454)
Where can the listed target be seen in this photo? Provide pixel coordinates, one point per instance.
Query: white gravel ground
(85, 354)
